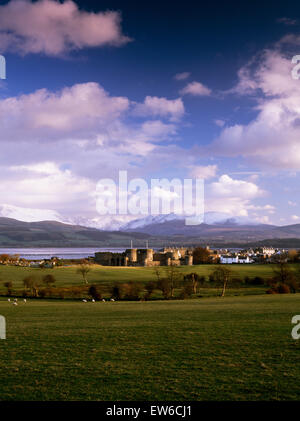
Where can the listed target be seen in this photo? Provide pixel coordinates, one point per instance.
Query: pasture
(232, 348)
(107, 276)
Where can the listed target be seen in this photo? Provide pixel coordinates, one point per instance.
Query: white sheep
(93, 300)
(84, 301)
(25, 301)
(15, 303)
(8, 300)
(103, 299)
(112, 299)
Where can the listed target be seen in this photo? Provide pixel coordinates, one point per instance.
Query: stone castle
(146, 257)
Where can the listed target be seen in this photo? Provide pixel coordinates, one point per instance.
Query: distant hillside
(14, 233)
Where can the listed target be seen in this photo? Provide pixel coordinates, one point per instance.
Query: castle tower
(132, 255)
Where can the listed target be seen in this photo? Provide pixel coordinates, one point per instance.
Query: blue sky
(161, 90)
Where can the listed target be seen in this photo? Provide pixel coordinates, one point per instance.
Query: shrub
(186, 291)
(42, 293)
(247, 280)
(132, 290)
(149, 287)
(271, 291)
(283, 289)
(117, 292)
(258, 281)
(95, 292)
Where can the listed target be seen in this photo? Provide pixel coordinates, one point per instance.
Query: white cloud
(269, 208)
(155, 106)
(182, 76)
(219, 122)
(45, 186)
(195, 89)
(54, 28)
(231, 196)
(80, 110)
(228, 187)
(265, 219)
(87, 114)
(272, 138)
(46, 168)
(205, 172)
(295, 217)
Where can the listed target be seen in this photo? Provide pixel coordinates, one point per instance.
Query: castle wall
(145, 257)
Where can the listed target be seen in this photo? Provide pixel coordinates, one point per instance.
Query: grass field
(237, 348)
(107, 276)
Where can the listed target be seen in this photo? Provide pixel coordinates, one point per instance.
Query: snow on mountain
(30, 215)
(107, 222)
(210, 218)
(114, 222)
(151, 219)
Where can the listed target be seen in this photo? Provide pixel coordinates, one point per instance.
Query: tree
(9, 286)
(95, 292)
(149, 287)
(164, 285)
(283, 275)
(49, 280)
(222, 275)
(195, 280)
(293, 256)
(4, 258)
(169, 278)
(201, 255)
(31, 283)
(132, 290)
(84, 269)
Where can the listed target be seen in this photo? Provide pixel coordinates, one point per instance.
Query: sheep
(84, 301)
(25, 301)
(103, 299)
(15, 303)
(112, 299)
(8, 300)
(93, 300)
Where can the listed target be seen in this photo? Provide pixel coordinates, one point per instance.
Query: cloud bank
(53, 28)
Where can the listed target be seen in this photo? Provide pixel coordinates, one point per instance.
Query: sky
(160, 90)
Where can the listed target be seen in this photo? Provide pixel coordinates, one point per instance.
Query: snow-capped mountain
(29, 214)
(158, 223)
(210, 218)
(108, 222)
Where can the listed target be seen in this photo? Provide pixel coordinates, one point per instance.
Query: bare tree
(31, 283)
(171, 279)
(84, 268)
(222, 275)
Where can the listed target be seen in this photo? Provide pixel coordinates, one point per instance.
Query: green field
(107, 276)
(232, 348)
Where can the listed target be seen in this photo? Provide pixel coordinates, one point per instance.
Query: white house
(229, 260)
(234, 259)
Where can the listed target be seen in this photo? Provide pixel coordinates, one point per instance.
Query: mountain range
(157, 231)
